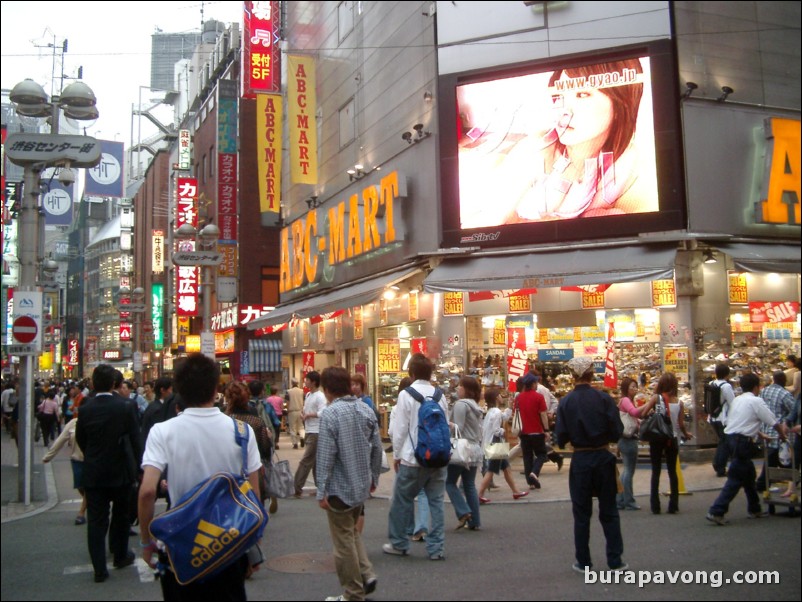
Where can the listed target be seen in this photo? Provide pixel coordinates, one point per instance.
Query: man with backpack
(421, 447)
(718, 395)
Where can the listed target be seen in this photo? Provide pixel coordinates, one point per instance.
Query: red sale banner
(610, 372)
(770, 311)
(420, 345)
(309, 361)
(516, 356)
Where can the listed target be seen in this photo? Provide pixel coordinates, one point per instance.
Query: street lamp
(205, 256)
(36, 152)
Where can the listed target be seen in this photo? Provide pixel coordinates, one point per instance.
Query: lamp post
(206, 256)
(36, 152)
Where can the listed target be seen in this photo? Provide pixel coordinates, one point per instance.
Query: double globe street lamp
(36, 152)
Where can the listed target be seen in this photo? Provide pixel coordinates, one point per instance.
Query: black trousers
(98, 500)
(228, 585)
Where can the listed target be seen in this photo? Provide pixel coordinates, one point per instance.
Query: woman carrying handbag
(666, 404)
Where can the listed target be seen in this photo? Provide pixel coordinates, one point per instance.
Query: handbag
(280, 480)
(213, 524)
(630, 425)
(464, 452)
(656, 428)
(515, 427)
(385, 463)
(497, 450)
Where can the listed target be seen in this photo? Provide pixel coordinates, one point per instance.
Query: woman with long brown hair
(666, 403)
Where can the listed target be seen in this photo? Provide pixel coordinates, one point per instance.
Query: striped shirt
(780, 402)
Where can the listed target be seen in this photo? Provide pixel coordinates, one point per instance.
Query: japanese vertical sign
(413, 306)
(157, 257)
(389, 358)
(516, 356)
(664, 293)
(269, 110)
(184, 150)
(610, 372)
(186, 202)
(358, 323)
(302, 106)
(156, 309)
(453, 304)
(227, 199)
(308, 362)
(262, 62)
(737, 288)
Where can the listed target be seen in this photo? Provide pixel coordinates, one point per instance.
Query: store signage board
(27, 320)
(555, 355)
(770, 311)
(29, 148)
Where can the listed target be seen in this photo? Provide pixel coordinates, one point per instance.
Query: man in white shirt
(314, 404)
(196, 444)
(411, 477)
(746, 414)
(719, 421)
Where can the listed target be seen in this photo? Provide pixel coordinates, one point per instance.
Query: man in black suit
(108, 423)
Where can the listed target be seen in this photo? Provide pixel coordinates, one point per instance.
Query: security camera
(407, 136)
(66, 177)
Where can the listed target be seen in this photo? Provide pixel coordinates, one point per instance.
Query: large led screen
(548, 147)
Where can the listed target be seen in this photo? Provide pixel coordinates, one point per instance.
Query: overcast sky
(111, 40)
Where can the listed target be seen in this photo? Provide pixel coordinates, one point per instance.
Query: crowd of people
(133, 445)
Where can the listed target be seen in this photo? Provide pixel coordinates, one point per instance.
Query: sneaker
(340, 597)
(80, 520)
(719, 520)
(760, 514)
(535, 480)
(632, 507)
(419, 536)
(438, 556)
(273, 505)
(127, 561)
(519, 495)
(369, 586)
(578, 568)
(389, 548)
(621, 567)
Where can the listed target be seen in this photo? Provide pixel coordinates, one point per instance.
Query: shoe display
(719, 520)
(519, 495)
(484, 500)
(388, 548)
(127, 561)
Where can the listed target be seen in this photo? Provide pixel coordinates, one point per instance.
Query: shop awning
(265, 355)
(571, 267)
(782, 259)
(343, 297)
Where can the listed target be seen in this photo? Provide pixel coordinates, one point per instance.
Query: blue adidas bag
(433, 449)
(214, 523)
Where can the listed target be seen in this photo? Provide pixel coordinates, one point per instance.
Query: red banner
(262, 64)
(610, 372)
(420, 345)
(324, 317)
(771, 311)
(501, 294)
(309, 362)
(517, 364)
(587, 288)
(186, 202)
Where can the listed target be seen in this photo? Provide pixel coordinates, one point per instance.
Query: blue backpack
(434, 438)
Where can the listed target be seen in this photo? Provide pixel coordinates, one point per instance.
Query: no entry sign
(24, 329)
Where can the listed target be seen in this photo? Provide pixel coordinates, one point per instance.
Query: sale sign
(516, 356)
(771, 311)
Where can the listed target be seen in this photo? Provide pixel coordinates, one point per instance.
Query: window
(345, 19)
(270, 280)
(347, 123)
(211, 162)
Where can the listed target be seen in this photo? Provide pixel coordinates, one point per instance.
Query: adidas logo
(209, 541)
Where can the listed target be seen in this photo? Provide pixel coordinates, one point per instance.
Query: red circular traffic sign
(25, 329)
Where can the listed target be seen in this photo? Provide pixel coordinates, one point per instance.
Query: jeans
(741, 474)
(408, 482)
(722, 450)
(533, 446)
(656, 449)
(421, 522)
(593, 472)
(469, 504)
(629, 456)
(350, 557)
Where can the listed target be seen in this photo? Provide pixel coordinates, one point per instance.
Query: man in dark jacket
(589, 420)
(108, 424)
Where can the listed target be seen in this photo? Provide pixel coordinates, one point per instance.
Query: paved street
(524, 550)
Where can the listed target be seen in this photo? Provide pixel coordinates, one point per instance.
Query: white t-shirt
(314, 404)
(196, 444)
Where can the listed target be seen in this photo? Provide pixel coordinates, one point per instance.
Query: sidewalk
(43, 488)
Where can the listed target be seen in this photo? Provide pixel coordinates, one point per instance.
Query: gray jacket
(467, 415)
